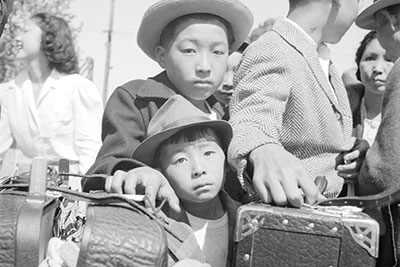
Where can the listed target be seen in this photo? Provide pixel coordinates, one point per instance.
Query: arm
(123, 128)
(381, 168)
(6, 138)
(87, 111)
(258, 104)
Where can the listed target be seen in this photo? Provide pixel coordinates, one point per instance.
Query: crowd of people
(232, 118)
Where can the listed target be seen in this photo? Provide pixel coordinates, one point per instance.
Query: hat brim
(158, 16)
(145, 152)
(366, 19)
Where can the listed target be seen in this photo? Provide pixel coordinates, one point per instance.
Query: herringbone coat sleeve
(262, 87)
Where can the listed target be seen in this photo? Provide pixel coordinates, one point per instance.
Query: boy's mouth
(207, 82)
(202, 185)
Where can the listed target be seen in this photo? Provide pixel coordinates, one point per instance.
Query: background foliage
(23, 9)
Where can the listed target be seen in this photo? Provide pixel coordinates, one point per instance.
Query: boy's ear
(226, 166)
(160, 53)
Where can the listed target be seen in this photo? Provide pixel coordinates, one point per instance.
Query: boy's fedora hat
(176, 114)
(159, 15)
(366, 20)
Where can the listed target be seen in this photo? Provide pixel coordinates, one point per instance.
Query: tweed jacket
(182, 243)
(381, 168)
(125, 120)
(282, 96)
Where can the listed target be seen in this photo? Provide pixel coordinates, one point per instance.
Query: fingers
(114, 183)
(349, 157)
(145, 180)
(283, 190)
(166, 192)
(320, 197)
(131, 183)
(310, 190)
(350, 170)
(293, 194)
(260, 187)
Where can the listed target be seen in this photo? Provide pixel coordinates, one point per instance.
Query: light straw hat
(159, 15)
(366, 19)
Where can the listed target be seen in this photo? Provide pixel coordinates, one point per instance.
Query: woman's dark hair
(360, 51)
(57, 43)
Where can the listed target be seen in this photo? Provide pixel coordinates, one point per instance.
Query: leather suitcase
(117, 232)
(26, 221)
(310, 236)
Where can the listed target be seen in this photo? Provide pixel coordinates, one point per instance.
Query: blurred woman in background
(49, 110)
(373, 67)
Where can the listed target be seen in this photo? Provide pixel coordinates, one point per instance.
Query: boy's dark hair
(190, 134)
(393, 10)
(169, 31)
(360, 50)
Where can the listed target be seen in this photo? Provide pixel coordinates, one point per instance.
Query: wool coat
(381, 168)
(282, 96)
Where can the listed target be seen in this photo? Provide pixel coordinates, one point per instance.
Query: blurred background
(105, 35)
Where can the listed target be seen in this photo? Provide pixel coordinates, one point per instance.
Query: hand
(149, 179)
(353, 160)
(278, 175)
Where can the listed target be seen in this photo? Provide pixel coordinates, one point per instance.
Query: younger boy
(191, 40)
(189, 150)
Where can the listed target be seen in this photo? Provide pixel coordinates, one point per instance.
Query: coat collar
(161, 87)
(229, 204)
(158, 86)
(307, 48)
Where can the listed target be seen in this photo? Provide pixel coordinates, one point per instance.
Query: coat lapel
(296, 38)
(341, 93)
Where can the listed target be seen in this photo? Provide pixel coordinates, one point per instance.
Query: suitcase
(117, 231)
(310, 236)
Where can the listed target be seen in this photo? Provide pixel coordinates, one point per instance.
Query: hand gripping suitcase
(117, 231)
(310, 236)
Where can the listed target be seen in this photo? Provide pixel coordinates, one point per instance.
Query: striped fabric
(283, 97)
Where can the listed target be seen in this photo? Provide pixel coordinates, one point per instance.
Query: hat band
(186, 121)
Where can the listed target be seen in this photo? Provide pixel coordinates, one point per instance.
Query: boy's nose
(197, 169)
(228, 81)
(203, 66)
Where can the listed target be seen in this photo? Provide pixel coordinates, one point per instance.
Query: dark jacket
(125, 121)
(182, 243)
(381, 168)
(356, 93)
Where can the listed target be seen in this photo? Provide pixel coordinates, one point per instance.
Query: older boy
(381, 168)
(191, 40)
(189, 149)
(290, 112)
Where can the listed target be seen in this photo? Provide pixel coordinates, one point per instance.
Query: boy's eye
(219, 52)
(180, 161)
(388, 59)
(208, 153)
(188, 51)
